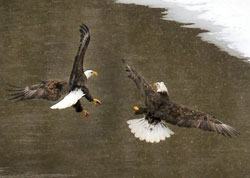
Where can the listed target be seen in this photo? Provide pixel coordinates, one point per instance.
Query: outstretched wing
(146, 90)
(48, 90)
(78, 63)
(186, 117)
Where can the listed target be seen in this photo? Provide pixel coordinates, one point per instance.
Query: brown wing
(49, 90)
(146, 90)
(186, 117)
(77, 70)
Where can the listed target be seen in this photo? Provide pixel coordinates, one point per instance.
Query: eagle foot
(86, 113)
(96, 101)
(136, 108)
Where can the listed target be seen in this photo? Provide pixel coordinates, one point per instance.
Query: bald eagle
(78, 78)
(160, 110)
(53, 89)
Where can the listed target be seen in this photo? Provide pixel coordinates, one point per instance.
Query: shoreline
(195, 15)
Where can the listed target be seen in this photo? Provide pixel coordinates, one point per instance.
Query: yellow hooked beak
(95, 74)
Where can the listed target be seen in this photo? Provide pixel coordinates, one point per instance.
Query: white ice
(226, 20)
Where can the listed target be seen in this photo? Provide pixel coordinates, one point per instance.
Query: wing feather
(29, 92)
(186, 117)
(49, 90)
(78, 63)
(146, 90)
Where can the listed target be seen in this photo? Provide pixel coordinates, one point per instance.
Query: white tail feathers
(149, 132)
(69, 99)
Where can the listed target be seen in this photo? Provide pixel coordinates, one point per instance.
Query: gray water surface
(39, 40)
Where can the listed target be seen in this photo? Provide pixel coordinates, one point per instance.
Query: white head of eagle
(161, 87)
(90, 73)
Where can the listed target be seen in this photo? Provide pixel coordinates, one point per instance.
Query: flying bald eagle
(48, 90)
(52, 90)
(78, 78)
(160, 110)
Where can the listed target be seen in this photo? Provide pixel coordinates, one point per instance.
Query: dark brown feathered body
(159, 108)
(48, 90)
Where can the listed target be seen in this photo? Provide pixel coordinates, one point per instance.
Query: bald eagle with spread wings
(78, 78)
(53, 90)
(160, 110)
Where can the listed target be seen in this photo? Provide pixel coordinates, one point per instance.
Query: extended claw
(136, 108)
(96, 101)
(86, 113)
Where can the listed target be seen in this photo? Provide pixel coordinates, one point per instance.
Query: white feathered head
(160, 87)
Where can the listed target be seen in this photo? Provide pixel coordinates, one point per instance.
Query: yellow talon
(136, 108)
(86, 113)
(96, 101)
